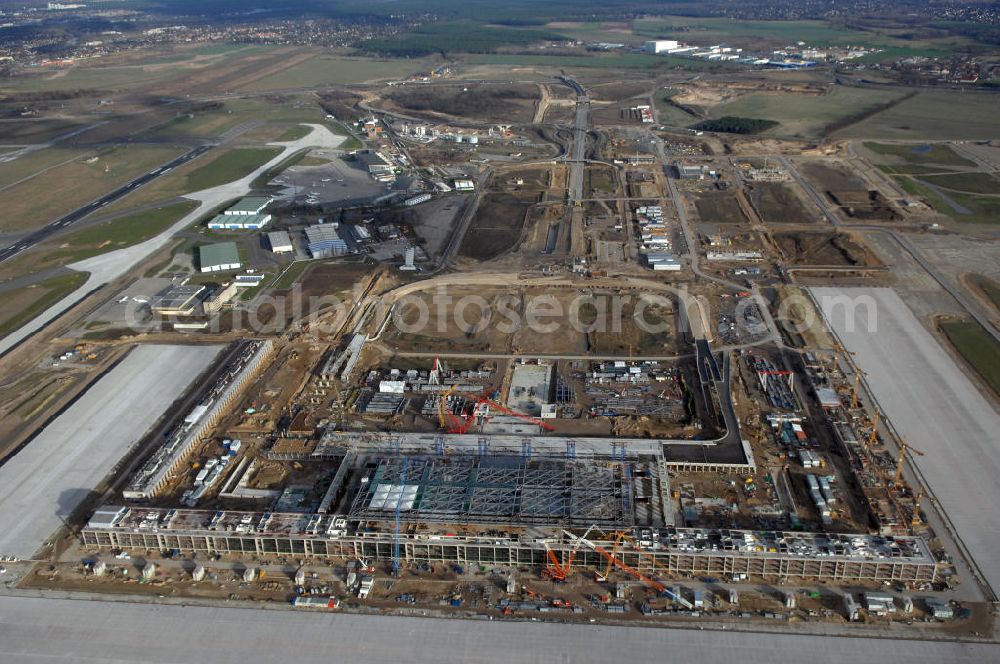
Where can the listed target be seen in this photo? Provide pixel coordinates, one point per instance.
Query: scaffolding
(506, 490)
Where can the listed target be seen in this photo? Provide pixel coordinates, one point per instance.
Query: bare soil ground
(777, 203)
(497, 225)
(719, 208)
(825, 249)
(513, 103)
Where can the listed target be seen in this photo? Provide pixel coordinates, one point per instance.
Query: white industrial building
(417, 200)
(280, 242)
(249, 206)
(660, 45)
(324, 241)
(663, 261)
(239, 222)
(219, 257)
(245, 214)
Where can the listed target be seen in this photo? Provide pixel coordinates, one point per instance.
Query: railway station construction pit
(840, 250)
(534, 320)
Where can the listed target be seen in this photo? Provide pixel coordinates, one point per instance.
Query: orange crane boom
(620, 564)
(507, 411)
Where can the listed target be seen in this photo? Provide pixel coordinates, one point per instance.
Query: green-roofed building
(219, 257)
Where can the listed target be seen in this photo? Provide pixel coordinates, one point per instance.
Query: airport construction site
(307, 471)
(720, 466)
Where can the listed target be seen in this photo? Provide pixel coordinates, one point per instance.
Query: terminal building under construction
(510, 511)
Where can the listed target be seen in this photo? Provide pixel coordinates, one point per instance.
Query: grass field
(25, 131)
(602, 61)
(212, 120)
(972, 209)
(295, 133)
(921, 154)
(804, 116)
(34, 162)
(26, 303)
(934, 115)
(980, 350)
(228, 167)
(290, 275)
(335, 70)
(46, 197)
(988, 287)
(98, 239)
(973, 183)
(123, 231)
(86, 78)
(911, 169)
(671, 115)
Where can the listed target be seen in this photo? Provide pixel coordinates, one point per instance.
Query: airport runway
(68, 220)
(933, 405)
(43, 483)
(61, 630)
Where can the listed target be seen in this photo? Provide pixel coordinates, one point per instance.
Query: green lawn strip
(52, 290)
(980, 350)
(229, 167)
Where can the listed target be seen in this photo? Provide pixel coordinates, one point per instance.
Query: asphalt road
(68, 220)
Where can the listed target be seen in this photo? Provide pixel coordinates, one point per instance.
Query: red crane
(461, 425)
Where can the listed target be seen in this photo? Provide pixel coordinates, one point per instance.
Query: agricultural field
(805, 116)
(23, 304)
(619, 32)
(932, 115)
(979, 349)
(31, 204)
